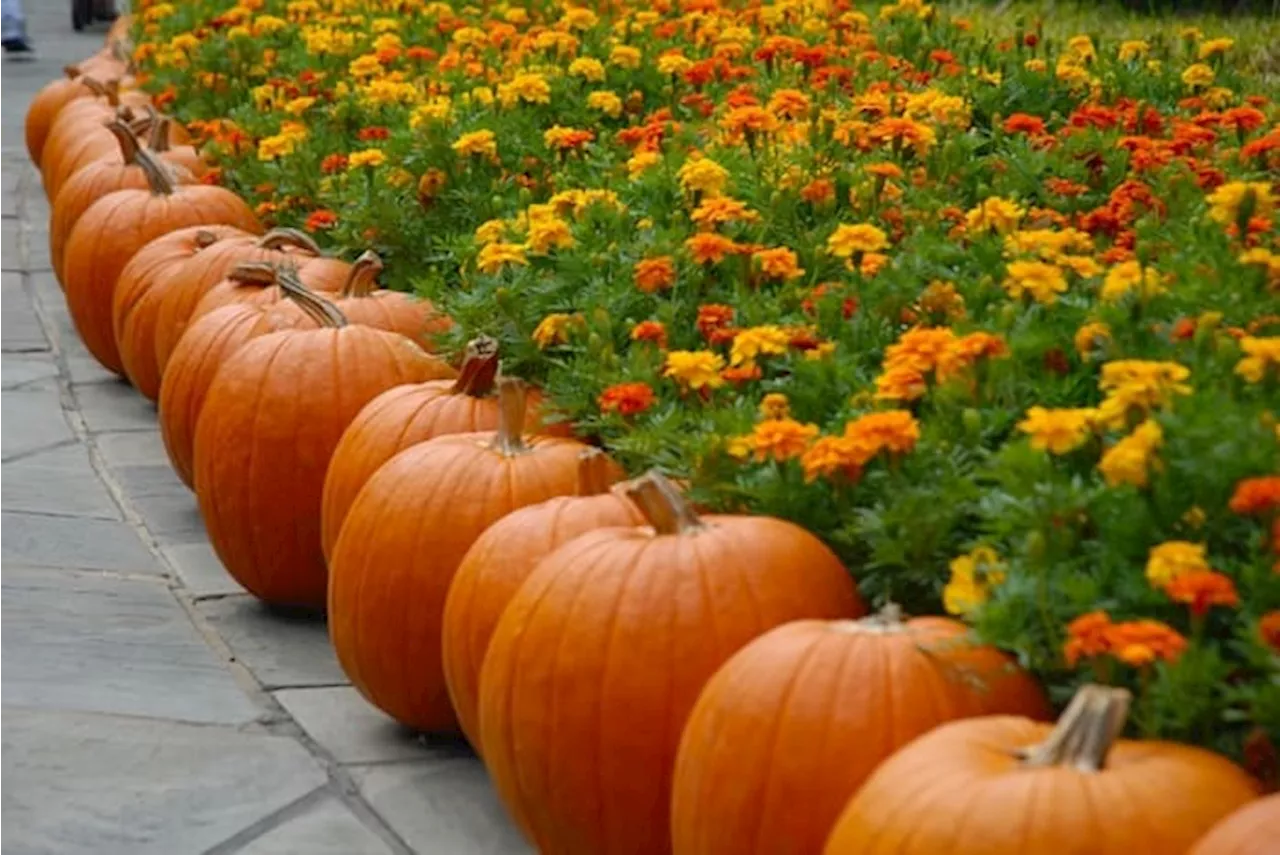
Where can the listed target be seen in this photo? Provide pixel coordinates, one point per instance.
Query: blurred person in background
(14, 36)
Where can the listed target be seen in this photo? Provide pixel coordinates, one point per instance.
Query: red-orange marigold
(627, 398)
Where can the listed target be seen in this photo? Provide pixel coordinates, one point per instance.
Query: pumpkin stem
(254, 273)
(317, 308)
(595, 474)
(362, 280)
(1085, 732)
(509, 439)
(71, 71)
(479, 368)
(205, 239)
(159, 178)
(95, 86)
(159, 138)
(662, 505)
(124, 135)
(279, 238)
(112, 88)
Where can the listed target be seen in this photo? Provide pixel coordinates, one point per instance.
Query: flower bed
(993, 313)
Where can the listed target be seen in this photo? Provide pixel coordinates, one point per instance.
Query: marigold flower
(1240, 200)
(1022, 123)
(781, 439)
(832, 455)
(654, 274)
(713, 317)
(628, 399)
(718, 210)
(493, 257)
(606, 102)
(739, 374)
(702, 175)
(1137, 385)
(1171, 559)
(479, 143)
(652, 331)
(1201, 590)
(994, 214)
(1261, 354)
(588, 68)
(775, 406)
(1256, 495)
(1141, 642)
(554, 328)
(1214, 47)
(1087, 637)
(779, 263)
(321, 220)
(847, 240)
(895, 430)
(1091, 337)
(710, 247)
(1043, 282)
(1269, 630)
(561, 138)
(1058, 431)
(1131, 276)
(696, 369)
(749, 120)
(901, 383)
(1128, 461)
(370, 157)
(972, 578)
(547, 233)
(768, 340)
(625, 56)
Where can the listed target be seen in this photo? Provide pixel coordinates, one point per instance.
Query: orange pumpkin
(119, 224)
(139, 289)
(1005, 785)
(403, 539)
(597, 661)
(408, 415)
(78, 136)
(163, 140)
(46, 105)
(190, 283)
(270, 422)
(503, 557)
(365, 303)
(92, 183)
(1252, 830)
(208, 343)
(834, 698)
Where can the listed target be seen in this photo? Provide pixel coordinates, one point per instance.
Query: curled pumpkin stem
(1085, 732)
(125, 137)
(320, 310)
(281, 238)
(662, 504)
(479, 368)
(159, 179)
(255, 273)
(363, 278)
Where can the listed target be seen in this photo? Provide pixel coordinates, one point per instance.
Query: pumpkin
(269, 424)
(599, 658)
(365, 303)
(190, 283)
(208, 343)
(834, 698)
(79, 136)
(139, 289)
(1008, 785)
(167, 140)
(503, 557)
(255, 282)
(1252, 830)
(408, 415)
(403, 539)
(46, 105)
(119, 224)
(92, 183)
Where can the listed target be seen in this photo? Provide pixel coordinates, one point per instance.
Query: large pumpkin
(1006, 785)
(190, 284)
(501, 559)
(270, 422)
(785, 733)
(78, 136)
(95, 181)
(600, 656)
(403, 539)
(121, 223)
(408, 415)
(1252, 830)
(364, 302)
(46, 105)
(140, 288)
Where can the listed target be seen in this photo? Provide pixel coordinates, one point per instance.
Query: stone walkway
(149, 704)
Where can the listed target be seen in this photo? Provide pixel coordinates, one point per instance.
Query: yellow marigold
(942, 298)
(1198, 76)
(781, 439)
(779, 263)
(674, 63)
(526, 86)
(437, 109)
(1092, 337)
(579, 18)
(1213, 47)
(640, 163)
(789, 103)
(606, 102)
(560, 137)
(370, 157)
(1131, 276)
(1130, 459)
(858, 238)
(1041, 281)
(490, 231)
(901, 383)
(481, 143)
(1172, 559)
(775, 406)
(972, 578)
(832, 455)
(749, 119)
(1133, 49)
(718, 210)
(588, 68)
(270, 148)
(702, 175)
(547, 233)
(752, 342)
(554, 329)
(1261, 354)
(1058, 431)
(994, 214)
(1081, 47)
(364, 66)
(696, 369)
(625, 56)
(494, 256)
(298, 106)
(1139, 385)
(1238, 200)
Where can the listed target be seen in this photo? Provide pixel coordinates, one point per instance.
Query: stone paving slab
(281, 648)
(58, 481)
(93, 643)
(28, 372)
(132, 448)
(33, 420)
(198, 567)
(346, 726)
(102, 785)
(20, 330)
(44, 540)
(114, 407)
(325, 828)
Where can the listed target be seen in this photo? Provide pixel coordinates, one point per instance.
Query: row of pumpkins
(638, 678)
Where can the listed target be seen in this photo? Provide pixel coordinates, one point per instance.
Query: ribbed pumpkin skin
(410, 316)
(962, 790)
(318, 274)
(600, 656)
(86, 187)
(785, 733)
(193, 281)
(112, 230)
(138, 291)
(493, 570)
(395, 420)
(207, 344)
(407, 531)
(1252, 830)
(78, 137)
(270, 422)
(44, 109)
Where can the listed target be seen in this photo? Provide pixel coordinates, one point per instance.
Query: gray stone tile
(20, 329)
(28, 372)
(352, 730)
(58, 481)
(10, 252)
(441, 807)
(36, 236)
(171, 519)
(71, 542)
(149, 480)
(198, 567)
(281, 648)
(83, 369)
(33, 419)
(131, 448)
(93, 643)
(82, 784)
(114, 407)
(325, 828)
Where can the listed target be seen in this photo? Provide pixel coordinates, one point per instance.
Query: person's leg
(14, 25)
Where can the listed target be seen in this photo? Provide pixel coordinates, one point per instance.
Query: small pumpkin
(503, 557)
(95, 181)
(403, 539)
(190, 283)
(1252, 830)
(408, 415)
(119, 224)
(272, 417)
(79, 136)
(364, 302)
(1007, 785)
(598, 660)
(834, 698)
(139, 289)
(46, 105)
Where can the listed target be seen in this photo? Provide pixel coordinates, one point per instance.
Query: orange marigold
(896, 431)
(709, 247)
(655, 274)
(779, 263)
(1269, 630)
(627, 398)
(1087, 637)
(1141, 642)
(781, 439)
(652, 331)
(833, 455)
(1202, 590)
(1256, 495)
(713, 317)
